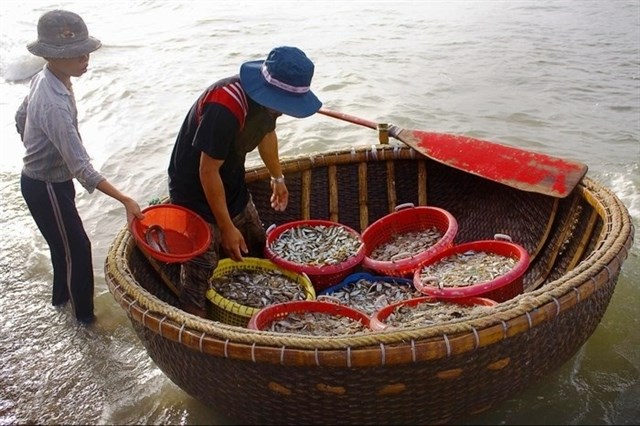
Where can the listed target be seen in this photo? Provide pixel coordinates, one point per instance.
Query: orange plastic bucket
(186, 234)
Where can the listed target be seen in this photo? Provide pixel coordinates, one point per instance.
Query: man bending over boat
(207, 170)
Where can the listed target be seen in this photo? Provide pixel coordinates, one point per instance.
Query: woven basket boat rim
(619, 232)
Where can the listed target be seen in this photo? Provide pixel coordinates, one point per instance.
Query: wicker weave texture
(422, 375)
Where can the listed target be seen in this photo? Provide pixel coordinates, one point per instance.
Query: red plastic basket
(407, 218)
(187, 235)
(379, 317)
(266, 316)
(500, 289)
(321, 276)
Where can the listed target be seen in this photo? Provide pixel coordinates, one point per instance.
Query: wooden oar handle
(383, 132)
(349, 118)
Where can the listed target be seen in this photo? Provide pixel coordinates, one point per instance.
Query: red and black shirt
(225, 124)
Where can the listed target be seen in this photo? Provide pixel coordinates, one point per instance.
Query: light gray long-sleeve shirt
(47, 121)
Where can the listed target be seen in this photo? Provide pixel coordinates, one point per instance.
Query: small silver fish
(150, 235)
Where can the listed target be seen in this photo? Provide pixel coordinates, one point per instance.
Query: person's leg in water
(53, 208)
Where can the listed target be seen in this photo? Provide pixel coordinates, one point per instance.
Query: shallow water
(559, 77)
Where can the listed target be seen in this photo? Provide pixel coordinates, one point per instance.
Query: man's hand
(133, 210)
(279, 196)
(233, 243)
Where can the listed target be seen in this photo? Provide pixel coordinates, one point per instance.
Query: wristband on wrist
(277, 179)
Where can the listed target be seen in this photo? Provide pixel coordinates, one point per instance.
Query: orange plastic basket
(187, 235)
(407, 218)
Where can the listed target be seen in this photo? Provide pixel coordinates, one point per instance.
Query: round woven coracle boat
(422, 375)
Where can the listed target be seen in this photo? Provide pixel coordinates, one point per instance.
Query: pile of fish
(257, 288)
(370, 295)
(466, 269)
(406, 244)
(430, 313)
(316, 245)
(318, 324)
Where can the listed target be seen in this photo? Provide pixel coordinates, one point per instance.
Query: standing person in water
(47, 122)
(207, 170)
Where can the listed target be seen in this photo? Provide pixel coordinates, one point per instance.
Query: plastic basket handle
(404, 206)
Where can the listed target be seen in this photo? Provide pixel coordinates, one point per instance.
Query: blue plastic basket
(354, 278)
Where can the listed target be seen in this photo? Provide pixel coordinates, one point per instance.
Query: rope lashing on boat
(133, 302)
(446, 342)
(557, 305)
(374, 152)
(505, 326)
(180, 333)
(201, 340)
(608, 272)
(383, 354)
(144, 316)
(160, 326)
(477, 337)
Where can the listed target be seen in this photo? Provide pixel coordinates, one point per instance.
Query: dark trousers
(53, 208)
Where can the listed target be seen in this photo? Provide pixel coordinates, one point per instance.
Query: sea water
(561, 77)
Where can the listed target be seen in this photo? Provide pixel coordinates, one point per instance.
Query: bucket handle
(404, 206)
(431, 280)
(502, 237)
(270, 228)
(327, 298)
(401, 256)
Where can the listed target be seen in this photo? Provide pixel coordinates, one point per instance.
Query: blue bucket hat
(282, 82)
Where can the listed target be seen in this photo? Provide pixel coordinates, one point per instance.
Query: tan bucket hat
(62, 34)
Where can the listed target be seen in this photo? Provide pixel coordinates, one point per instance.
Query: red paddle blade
(515, 167)
(518, 168)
